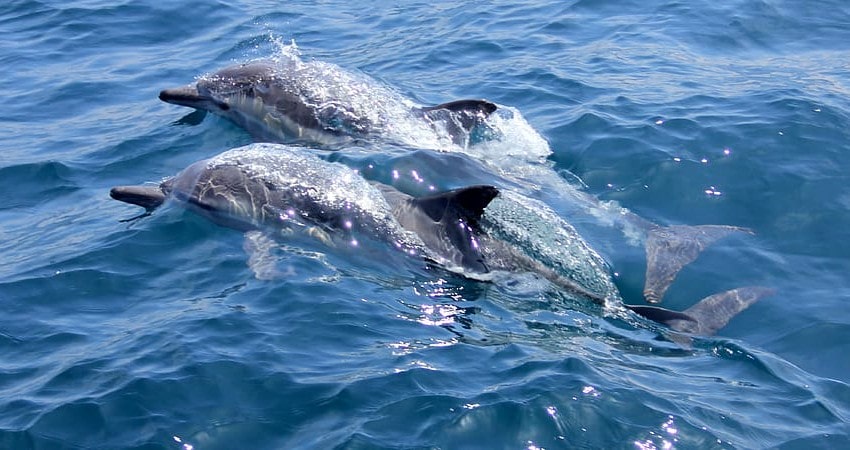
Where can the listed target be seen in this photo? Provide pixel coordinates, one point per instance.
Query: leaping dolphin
(474, 231)
(289, 99)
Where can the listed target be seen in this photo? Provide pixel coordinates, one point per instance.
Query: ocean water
(156, 334)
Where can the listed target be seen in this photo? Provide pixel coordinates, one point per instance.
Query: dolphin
(288, 100)
(475, 231)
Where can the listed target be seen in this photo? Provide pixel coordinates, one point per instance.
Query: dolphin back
(551, 245)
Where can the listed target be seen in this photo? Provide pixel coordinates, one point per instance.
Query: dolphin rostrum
(288, 100)
(475, 231)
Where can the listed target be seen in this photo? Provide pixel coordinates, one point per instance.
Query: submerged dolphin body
(289, 99)
(475, 231)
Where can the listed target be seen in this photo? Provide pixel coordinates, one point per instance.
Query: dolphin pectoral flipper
(193, 118)
(318, 233)
(709, 314)
(261, 261)
(669, 249)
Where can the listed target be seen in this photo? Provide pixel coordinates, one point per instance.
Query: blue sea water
(156, 334)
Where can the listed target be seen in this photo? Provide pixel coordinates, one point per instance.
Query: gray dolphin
(474, 231)
(317, 102)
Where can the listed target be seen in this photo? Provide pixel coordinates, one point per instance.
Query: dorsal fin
(457, 214)
(473, 106)
(465, 203)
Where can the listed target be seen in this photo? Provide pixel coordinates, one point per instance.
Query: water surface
(156, 334)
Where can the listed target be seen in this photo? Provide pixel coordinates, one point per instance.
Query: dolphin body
(289, 99)
(474, 231)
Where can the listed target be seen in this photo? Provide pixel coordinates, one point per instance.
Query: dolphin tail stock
(669, 249)
(710, 314)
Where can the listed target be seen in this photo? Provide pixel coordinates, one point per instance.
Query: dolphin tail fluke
(669, 249)
(715, 311)
(148, 197)
(710, 314)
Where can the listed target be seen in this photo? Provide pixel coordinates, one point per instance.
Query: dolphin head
(225, 89)
(225, 194)
(262, 97)
(147, 196)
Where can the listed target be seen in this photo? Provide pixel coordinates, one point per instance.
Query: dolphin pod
(474, 231)
(314, 102)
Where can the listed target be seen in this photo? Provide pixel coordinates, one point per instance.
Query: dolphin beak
(189, 96)
(148, 197)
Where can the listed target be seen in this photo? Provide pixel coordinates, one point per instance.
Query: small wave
(42, 181)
